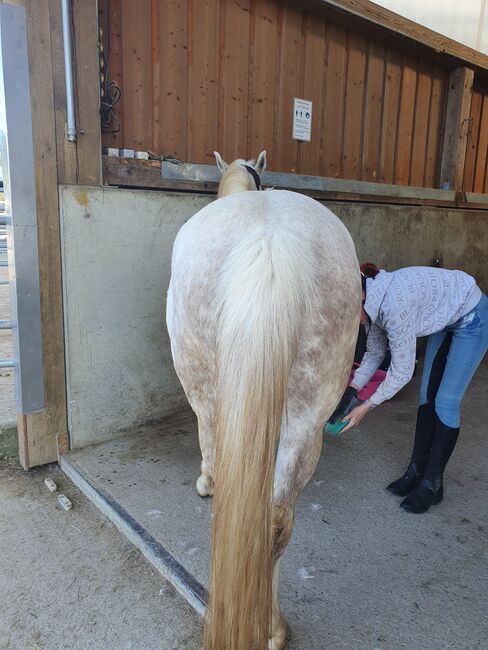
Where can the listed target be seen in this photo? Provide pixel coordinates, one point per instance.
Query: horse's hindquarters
(263, 320)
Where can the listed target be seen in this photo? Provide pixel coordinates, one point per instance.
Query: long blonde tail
(263, 300)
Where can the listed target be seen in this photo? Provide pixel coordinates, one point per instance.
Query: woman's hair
(368, 270)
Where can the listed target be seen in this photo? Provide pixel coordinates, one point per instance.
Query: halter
(255, 176)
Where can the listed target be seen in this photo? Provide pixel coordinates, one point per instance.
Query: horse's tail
(263, 300)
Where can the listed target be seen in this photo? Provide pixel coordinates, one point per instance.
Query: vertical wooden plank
(335, 84)
(421, 125)
(436, 126)
(473, 140)
(234, 79)
(38, 431)
(354, 107)
(391, 113)
(291, 51)
(456, 129)
(313, 80)
(174, 78)
(114, 57)
(156, 74)
(262, 79)
(405, 122)
(65, 150)
(203, 69)
(137, 91)
(87, 70)
(373, 113)
(482, 152)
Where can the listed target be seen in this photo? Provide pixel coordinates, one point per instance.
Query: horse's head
(240, 175)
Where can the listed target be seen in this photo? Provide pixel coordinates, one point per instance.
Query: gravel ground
(70, 581)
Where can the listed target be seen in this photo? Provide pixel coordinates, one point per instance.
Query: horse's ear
(261, 163)
(221, 164)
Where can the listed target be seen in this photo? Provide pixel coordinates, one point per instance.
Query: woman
(400, 306)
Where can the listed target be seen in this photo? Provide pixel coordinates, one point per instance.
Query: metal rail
(68, 70)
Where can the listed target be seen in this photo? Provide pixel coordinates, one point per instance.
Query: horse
(263, 314)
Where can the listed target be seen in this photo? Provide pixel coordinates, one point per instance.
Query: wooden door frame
(43, 435)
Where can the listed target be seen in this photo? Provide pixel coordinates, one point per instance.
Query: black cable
(110, 91)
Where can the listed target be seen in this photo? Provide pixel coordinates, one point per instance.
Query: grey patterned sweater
(403, 305)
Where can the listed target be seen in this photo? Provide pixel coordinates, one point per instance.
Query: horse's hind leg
(298, 455)
(195, 381)
(206, 436)
(283, 517)
(279, 628)
(205, 484)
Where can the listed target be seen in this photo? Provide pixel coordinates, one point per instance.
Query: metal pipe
(7, 363)
(6, 324)
(3, 282)
(3, 263)
(68, 71)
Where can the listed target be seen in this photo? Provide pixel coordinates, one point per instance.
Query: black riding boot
(424, 432)
(430, 490)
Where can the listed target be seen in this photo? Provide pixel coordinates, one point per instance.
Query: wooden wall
(476, 168)
(200, 75)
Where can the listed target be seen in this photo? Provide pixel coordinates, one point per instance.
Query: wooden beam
(389, 21)
(87, 76)
(78, 162)
(38, 431)
(130, 172)
(456, 128)
(66, 151)
(146, 174)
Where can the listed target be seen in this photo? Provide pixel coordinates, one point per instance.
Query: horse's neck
(235, 179)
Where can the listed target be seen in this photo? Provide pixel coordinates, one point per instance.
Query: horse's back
(226, 221)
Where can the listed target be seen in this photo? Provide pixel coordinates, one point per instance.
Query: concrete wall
(393, 236)
(116, 265)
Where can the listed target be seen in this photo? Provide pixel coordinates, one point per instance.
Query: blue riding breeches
(451, 359)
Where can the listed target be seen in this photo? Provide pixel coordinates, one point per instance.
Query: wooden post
(38, 431)
(456, 128)
(44, 435)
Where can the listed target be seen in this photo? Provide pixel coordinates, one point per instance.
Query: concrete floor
(69, 581)
(359, 571)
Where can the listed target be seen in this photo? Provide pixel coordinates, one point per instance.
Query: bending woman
(400, 306)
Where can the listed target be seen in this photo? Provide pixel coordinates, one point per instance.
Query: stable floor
(359, 572)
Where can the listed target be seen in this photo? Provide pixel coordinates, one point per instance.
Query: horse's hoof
(280, 636)
(203, 487)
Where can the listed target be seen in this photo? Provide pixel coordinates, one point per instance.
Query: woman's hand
(355, 416)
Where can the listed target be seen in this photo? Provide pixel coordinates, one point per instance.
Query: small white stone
(64, 502)
(50, 484)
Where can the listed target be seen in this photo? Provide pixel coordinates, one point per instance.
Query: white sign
(302, 120)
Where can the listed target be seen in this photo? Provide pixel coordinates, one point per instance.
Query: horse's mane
(236, 179)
